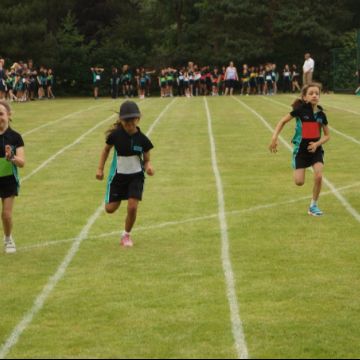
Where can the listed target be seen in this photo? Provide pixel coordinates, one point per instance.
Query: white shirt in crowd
(309, 65)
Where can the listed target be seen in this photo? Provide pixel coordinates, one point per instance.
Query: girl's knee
(111, 208)
(318, 177)
(6, 216)
(299, 182)
(132, 207)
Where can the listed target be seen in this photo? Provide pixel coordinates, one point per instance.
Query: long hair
(300, 101)
(117, 125)
(114, 127)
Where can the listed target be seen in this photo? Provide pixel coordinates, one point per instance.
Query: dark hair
(118, 125)
(300, 101)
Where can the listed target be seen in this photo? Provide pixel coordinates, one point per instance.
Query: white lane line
(335, 191)
(334, 107)
(63, 118)
(49, 287)
(185, 221)
(65, 148)
(343, 109)
(59, 274)
(237, 326)
(351, 138)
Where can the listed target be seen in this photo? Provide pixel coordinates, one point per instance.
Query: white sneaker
(10, 247)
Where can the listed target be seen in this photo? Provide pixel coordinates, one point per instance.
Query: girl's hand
(149, 170)
(8, 152)
(273, 146)
(100, 174)
(312, 147)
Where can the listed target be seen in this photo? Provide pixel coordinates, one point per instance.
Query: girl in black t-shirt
(311, 121)
(11, 157)
(131, 160)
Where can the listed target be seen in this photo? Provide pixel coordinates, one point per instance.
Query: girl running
(308, 151)
(131, 160)
(12, 156)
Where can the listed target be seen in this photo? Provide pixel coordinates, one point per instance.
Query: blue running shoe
(315, 211)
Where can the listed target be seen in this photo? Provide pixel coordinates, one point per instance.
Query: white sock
(313, 203)
(125, 233)
(8, 239)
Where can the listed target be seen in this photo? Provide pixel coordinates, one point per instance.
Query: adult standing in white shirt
(308, 69)
(231, 77)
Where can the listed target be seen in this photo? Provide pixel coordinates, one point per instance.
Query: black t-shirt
(14, 139)
(309, 124)
(129, 150)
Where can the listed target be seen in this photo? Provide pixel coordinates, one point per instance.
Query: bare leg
(318, 170)
(299, 177)
(131, 215)
(6, 215)
(112, 207)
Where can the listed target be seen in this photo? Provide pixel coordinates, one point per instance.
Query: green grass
(297, 277)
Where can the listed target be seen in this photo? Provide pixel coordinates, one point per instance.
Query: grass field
(287, 286)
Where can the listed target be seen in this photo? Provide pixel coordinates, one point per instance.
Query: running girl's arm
(103, 157)
(278, 129)
(324, 139)
(147, 164)
(18, 159)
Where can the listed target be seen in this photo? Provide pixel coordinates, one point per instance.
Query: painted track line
(237, 326)
(332, 187)
(60, 272)
(49, 287)
(335, 107)
(65, 148)
(63, 118)
(348, 137)
(185, 221)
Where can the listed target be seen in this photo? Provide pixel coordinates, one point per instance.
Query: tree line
(71, 36)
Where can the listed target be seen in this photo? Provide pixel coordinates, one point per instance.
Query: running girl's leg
(299, 177)
(131, 214)
(6, 215)
(110, 208)
(318, 171)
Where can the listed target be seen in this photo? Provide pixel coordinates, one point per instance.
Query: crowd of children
(194, 80)
(22, 82)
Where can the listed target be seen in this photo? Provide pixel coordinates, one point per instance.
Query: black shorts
(303, 159)
(125, 187)
(2, 86)
(230, 83)
(8, 190)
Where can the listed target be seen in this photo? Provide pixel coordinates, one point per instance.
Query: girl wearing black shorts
(131, 160)
(308, 152)
(12, 156)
